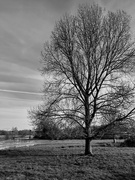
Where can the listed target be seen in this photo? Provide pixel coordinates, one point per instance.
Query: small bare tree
(87, 66)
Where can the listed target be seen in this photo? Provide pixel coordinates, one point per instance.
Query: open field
(64, 160)
(5, 144)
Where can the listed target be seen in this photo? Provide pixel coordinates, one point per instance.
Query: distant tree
(3, 132)
(25, 132)
(75, 132)
(118, 130)
(14, 132)
(87, 67)
(44, 128)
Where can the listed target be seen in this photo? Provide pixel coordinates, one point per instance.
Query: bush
(130, 142)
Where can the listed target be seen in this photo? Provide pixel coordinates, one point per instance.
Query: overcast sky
(24, 26)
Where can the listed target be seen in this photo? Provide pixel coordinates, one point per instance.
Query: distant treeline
(14, 133)
(53, 132)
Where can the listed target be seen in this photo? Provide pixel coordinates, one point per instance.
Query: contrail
(20, 92)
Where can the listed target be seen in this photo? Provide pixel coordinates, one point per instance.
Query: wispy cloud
(20, 92)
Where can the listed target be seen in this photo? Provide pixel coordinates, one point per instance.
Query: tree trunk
(114, 139)
(88, 147)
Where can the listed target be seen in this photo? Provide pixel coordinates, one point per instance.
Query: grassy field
(65, 160)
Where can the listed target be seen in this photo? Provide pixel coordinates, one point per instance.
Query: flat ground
(65, 160)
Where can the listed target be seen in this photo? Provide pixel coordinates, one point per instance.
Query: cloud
(128, 6)
(20, 92)
(18, 118)
(13, 108)
(24, 26)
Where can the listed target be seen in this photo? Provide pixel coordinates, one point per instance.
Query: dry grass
(67, 162)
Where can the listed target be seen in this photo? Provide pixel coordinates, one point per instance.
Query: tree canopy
(88, 68)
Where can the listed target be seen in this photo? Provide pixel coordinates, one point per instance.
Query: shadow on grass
(40, 153)
(125, 176)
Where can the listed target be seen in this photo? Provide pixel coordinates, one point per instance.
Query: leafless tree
(88, 66)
